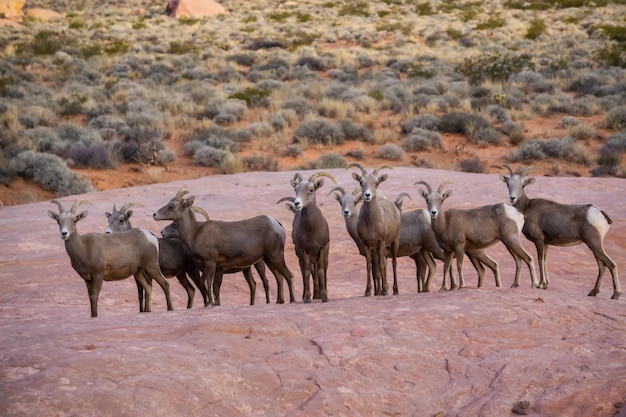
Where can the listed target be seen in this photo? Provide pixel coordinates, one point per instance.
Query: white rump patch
(597, 220)
(151, 238)
(279, 228)
(514, 214)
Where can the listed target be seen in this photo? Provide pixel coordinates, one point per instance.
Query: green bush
(422, 140)
(209, 156)
(615, 119)
(536, 29)
(473, 165)
(493, 22)
(497, 68)
(252, 96)
(256, 162)
(330, 161)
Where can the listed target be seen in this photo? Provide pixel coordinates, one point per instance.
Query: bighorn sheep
(310, 234)
(459, 230)
(378, 227)
(174, 257)
(98, 257)
(417, 239)
(225, 245)
(171, 231)
(551, 223)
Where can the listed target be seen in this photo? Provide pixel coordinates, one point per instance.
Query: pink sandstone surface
(468, 352)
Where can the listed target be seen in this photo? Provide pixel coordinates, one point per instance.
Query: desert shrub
(498, 114)
(320, 132)
(245, 60)
(214, 137)
(486, 136)
(73, 135)
(582, 132)
(537, 28)
(492, 22)
(355, 8)
(496, 68)
(257, 44)
(126, 151)
(610, 158)
(109, 126)
(312, 63)
(615, 119)
(209, 156)
(300, 105)
(42, 139)
(473, 165)
(357, 154)
(277, 121)
(422, 140)
(356, 132)
(539, 149)
(260, 129)
(421, 121)
(331, 160)
(253, 97)
(45, 42)
(50, 172)
(165, 156)
(34, 116)
(390, 152)
(144, 126)
(94, 156)
(514, 131)
(291, 150)
(302, 73)
(256, 162)
(568, 121)
(462, 122)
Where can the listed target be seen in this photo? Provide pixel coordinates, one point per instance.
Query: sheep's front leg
(368, 262)
(247, 273)
(93, 290)
(305, 262)
(460, 253)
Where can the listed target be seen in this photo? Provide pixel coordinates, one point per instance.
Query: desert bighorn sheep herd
(205, 250)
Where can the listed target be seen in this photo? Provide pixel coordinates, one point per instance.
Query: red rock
(469, 352)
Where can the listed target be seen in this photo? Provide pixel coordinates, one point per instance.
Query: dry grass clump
(105, 85)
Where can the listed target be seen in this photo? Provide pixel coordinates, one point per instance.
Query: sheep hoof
(616, 296)
(514, 285)
(593, 293)
(280, 301)
(368, 293)
(324, 299)
(306, 300)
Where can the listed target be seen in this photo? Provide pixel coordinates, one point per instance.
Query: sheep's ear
(356, 176)
(128, 214)
(337, 197)
(359, 197)
(107, 214)
(81, 216)
(446, 195)
(53, 215)
(504, 179)
(423, 194)
(318, 183)
(528, 181)
(382, 178)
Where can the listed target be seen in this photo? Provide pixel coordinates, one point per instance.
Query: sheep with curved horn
(223, 245)
(378, 227)
(551, 223)
(110, 257)
(310, 234)
(459, 230)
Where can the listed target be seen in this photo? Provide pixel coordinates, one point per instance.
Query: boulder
(194, 8)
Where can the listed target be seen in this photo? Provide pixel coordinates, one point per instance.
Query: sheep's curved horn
(78, 203)
(428, 187)
(201, 211)
(402, 195)
(179, 195)
(509, 168)
(58, 203)
(290, 207)
(380, 167)
(359, 166)
(322, 174)
(292, 199)
(297, 177)
(337, 188)
(443, 184)
(128, 205)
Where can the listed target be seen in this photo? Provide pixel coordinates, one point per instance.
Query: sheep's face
(118, 221)
(67, 222)
(174, 210)
(515, 184)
